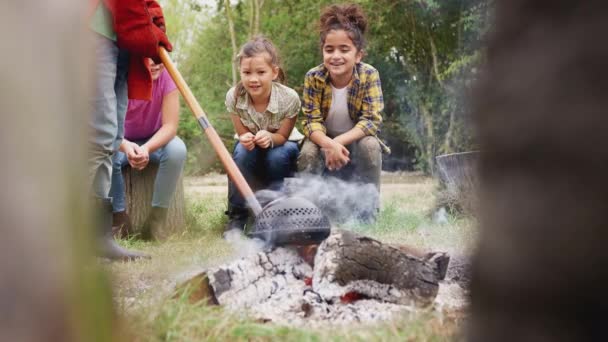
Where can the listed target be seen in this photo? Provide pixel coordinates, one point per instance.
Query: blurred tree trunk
(51, 287)
(541, 267)
(235, 51)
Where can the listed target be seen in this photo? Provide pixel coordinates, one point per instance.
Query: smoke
(242, 245)
(441, 216)
(342, 202)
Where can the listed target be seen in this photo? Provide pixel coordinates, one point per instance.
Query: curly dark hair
(347, 17)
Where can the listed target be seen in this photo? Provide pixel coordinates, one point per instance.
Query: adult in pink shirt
(150, 136)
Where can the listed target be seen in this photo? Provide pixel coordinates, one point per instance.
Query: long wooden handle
(225, 158)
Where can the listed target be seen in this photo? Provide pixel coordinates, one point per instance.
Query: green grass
(178, 320)
(143, 290)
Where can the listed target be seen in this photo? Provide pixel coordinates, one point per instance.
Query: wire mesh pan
(291, 220)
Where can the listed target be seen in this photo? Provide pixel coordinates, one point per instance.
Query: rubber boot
(121, 225)
(154, 224)
(107, 246)
(237, 218)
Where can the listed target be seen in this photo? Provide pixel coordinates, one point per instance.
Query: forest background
(428, 54)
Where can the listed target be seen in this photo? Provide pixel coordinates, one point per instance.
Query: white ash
(252, 280)
(450, 297)
(308, 311)
(270, 286)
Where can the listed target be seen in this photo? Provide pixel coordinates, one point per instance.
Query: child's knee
(309, 159)
(369, 151)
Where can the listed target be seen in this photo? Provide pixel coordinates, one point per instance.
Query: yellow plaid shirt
(365, 102)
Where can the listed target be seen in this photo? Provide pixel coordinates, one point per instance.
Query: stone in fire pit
(354, 279)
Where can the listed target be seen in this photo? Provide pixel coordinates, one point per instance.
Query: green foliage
(431, 49)
(392, 218)
(207, 72)
(205, 217)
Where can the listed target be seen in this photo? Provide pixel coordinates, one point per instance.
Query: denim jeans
(108, 107)
(170, 159)
(266, 167)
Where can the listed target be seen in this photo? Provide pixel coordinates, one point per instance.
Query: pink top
(143, 117)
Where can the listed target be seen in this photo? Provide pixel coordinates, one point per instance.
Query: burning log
(355, 279)
(347, 262)
(254, 279)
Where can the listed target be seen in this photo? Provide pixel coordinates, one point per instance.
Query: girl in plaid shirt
(264, 113)
(343, 104)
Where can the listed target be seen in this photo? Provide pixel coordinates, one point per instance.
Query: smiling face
(155, 69)
(257, 74)
(339, 57)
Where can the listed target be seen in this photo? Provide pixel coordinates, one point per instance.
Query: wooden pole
(225, 158)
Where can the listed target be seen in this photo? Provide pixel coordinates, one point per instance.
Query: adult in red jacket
(124, 34)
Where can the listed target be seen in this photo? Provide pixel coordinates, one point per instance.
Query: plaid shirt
(365, 102)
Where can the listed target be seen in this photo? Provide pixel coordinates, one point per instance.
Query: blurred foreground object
(542, 110)
(49, 290)
(458, 174)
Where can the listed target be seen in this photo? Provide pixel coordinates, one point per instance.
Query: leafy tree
(431, 49)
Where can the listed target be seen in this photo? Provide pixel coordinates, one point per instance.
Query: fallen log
(196, 289)
(347, 262)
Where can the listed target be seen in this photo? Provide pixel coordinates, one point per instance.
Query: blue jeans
(108, 107)
(170, 158)
(267, 167)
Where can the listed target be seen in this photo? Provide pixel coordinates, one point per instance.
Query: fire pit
(353, 279)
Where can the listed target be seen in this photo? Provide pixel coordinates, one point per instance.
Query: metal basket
(291, 220)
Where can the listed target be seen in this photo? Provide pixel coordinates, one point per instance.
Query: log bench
(139, 186)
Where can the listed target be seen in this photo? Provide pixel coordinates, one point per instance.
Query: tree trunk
(52, 288)
(232, 41)
(139, 187)
(428, 136)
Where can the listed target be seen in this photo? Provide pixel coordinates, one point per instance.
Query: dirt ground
(393, 183)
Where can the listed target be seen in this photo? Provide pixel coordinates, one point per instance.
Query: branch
(435, 61)
(232, 40)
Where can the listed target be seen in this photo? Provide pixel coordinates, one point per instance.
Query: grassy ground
(143, 289)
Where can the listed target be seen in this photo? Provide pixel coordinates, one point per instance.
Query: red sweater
(139, 27)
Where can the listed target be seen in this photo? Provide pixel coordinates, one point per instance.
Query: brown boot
(154, 225)
(106, 245)
(121, 225)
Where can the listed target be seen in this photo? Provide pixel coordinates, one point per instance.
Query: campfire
(347, 278)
